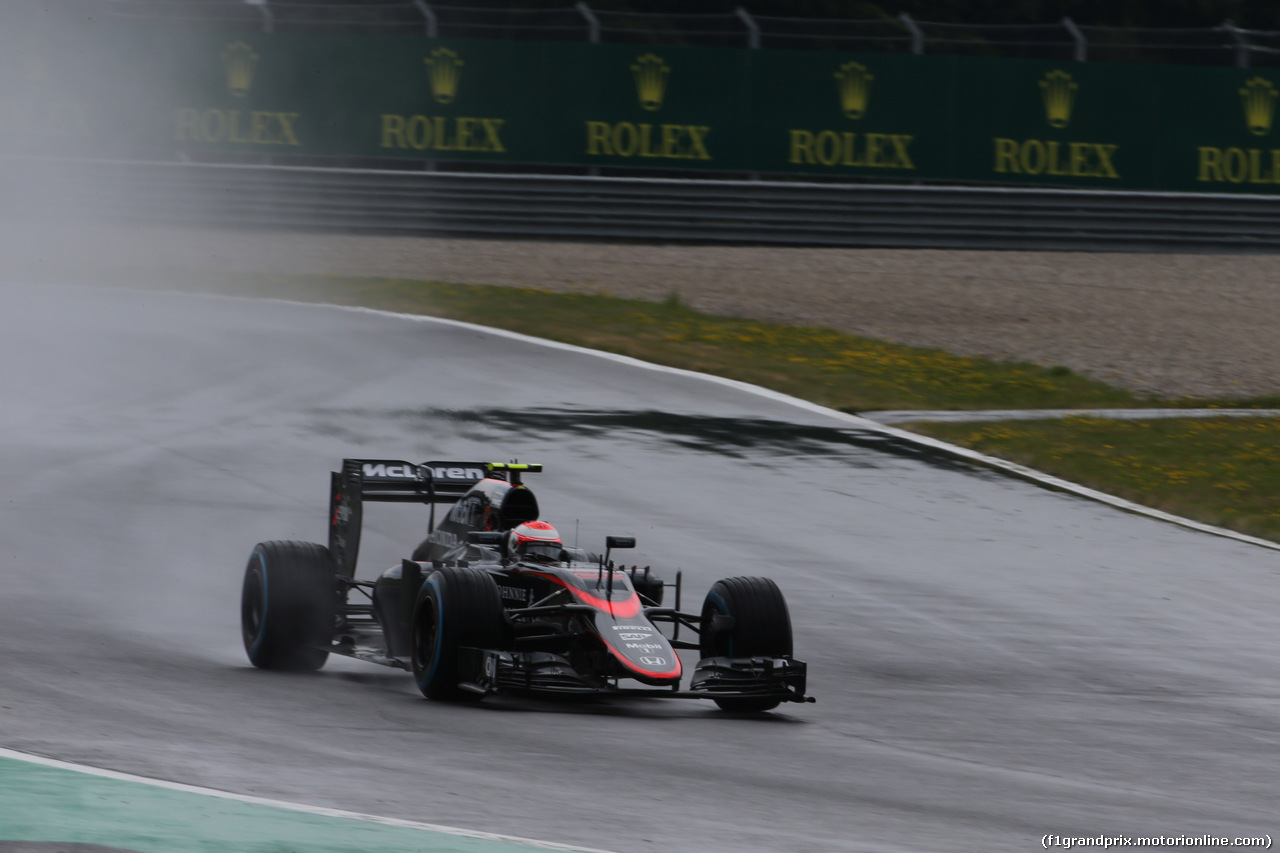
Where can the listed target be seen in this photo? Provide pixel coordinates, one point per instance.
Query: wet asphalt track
(992, 661)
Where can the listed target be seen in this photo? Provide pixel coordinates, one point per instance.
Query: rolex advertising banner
(671, 108)
(659, 107)
(1066, 123)
(458, 99)
(872, 115)
(251, 94)
(356, 97)
(1219, 130)
(450, 100)
(61, 93)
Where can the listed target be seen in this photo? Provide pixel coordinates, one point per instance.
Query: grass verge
(843, 371)
(1222, 471)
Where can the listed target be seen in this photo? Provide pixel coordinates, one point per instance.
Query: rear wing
(397, 481)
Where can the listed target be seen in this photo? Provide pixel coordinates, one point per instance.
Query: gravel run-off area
(1167, 324)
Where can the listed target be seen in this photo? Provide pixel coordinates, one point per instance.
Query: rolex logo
(1059, 93)
(1259, 98)
(445, 70)
(854, 85)
(239, 59)
(651, 80)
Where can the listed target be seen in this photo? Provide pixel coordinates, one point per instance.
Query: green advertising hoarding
(345, 96)
(327, 95)
(449, 100)
(866, 114)
(821, 113)
(458, 99)
(656, 107)
(1219, 130)
(1068, 123)
(248, 94)
(54, 98)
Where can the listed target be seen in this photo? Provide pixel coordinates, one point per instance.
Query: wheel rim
(252, 608)
(425, 640)
(715, 643)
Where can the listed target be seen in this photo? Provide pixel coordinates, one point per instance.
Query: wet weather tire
(761, 627)
(287, 606)
(456, 608)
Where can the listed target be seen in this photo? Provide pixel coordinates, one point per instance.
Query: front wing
(490, 671)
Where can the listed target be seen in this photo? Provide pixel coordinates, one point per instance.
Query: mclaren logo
(239, 59)
(383, 471)
(457, 473)
(1059, 93)
(854, 85)
(650, 74)
(1259, 100)
(445, 70)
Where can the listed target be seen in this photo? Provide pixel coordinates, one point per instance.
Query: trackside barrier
(493, 105)
(646, 209)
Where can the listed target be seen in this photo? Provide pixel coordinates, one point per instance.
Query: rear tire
(761, 628)
(287, 606)
(456, 608)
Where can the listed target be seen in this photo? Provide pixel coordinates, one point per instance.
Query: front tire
(456, 608)
(287, 606)
(761, 628)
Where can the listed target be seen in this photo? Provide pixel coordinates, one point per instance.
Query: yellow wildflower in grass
(1223, 471)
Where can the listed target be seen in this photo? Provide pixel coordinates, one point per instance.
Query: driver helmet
(534, 540)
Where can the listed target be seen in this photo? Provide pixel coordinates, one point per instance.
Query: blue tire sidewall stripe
(262, 620)
(430, 672)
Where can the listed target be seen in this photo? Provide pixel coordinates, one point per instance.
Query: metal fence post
(593, 36)
(753, 42)
(1242, 44)
(593, 23)
(1082, 45)
(268, 23)
(430, 16)
(917, 35)
(753, 29)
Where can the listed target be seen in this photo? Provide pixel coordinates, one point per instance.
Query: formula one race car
(493, 602)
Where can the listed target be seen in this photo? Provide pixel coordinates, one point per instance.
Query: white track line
(906, 417)
(281, 804)
(1011, 468)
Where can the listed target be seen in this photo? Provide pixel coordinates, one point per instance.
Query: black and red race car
(472, 614)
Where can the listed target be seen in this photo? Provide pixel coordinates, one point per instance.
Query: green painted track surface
(58, 805)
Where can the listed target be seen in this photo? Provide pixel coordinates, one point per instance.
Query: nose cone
(640, 648)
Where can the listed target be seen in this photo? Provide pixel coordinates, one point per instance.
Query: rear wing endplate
(397, 481)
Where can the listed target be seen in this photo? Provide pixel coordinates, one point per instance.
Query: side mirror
(492, 538)
(611, 542)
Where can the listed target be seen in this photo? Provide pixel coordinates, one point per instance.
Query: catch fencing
(1224, 44)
